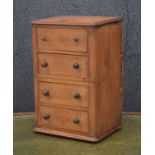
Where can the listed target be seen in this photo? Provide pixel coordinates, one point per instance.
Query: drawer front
(63, 118)
(62, 39)
(62, 94)
(63, 65)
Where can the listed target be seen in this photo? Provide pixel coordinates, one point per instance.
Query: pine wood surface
(77, 20)
(77, 56)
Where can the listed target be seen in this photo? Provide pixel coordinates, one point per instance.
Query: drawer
(62, 94)
(62, 39)
(63, 65)
(63, 119)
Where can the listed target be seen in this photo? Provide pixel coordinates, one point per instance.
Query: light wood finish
(76, 135)
(59, 116)
(62, 39)
(77, 20)
(93, 68)
(63, 65)
(64, 52)
(109, 73)
(57, 95)
(35, 71)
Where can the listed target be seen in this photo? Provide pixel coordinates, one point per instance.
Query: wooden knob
(76, 39)
(44, 64)
(46, 93)
(76, 95)
(44, 38)
(76, 66)
(76, 121)
(46, 116)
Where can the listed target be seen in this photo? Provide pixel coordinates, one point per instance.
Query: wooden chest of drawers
(77, 63)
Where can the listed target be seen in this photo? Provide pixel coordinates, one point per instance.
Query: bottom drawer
(63, 119)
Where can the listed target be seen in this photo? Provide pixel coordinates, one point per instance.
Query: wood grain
(109, 74)
(96, 45)
(35, 71)
(62, 39)
(62, 65)
(77, 20)
(63, 118)
(76, 135)
(58, 96)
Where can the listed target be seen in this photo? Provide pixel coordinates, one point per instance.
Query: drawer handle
(46, 93)
(44, 64)
(76, 96)
(46, 116)
(76, 121)
(76, 66)
(76, 39)
(44, 38)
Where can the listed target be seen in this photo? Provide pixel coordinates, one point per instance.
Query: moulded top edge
(78, 20)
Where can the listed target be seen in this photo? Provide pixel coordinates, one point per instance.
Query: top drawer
(62, 39)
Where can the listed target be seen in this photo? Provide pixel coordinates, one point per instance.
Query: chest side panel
(109, 76)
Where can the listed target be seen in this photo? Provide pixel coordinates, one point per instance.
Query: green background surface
(125, 141)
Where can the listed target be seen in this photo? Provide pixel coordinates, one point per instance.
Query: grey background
(27, 10)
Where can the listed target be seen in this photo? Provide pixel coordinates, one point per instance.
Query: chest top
(77, 20)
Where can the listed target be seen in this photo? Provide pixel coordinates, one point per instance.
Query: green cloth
(125, 141)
